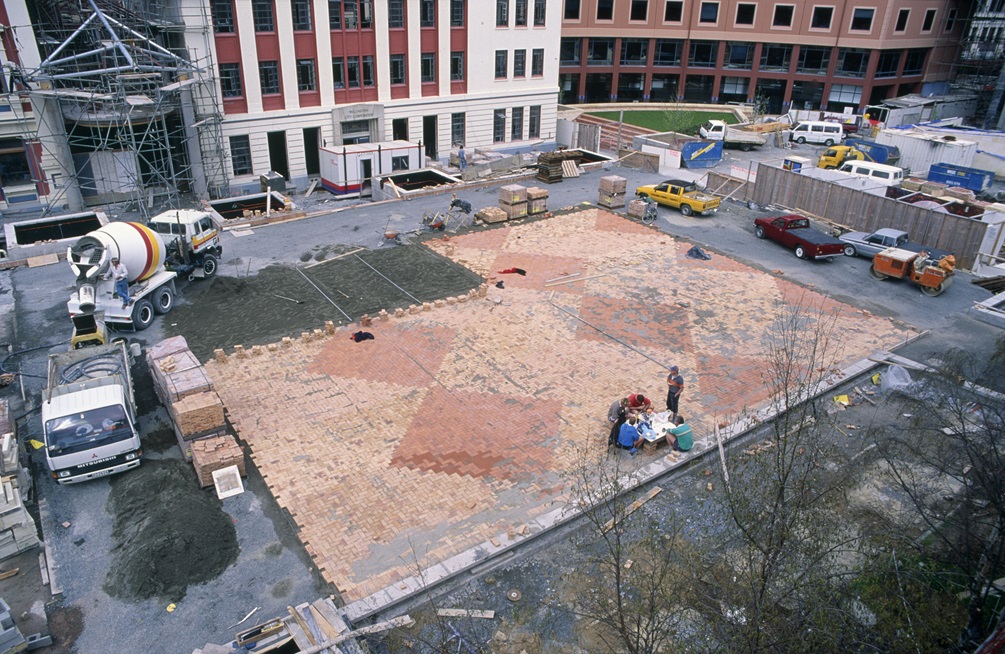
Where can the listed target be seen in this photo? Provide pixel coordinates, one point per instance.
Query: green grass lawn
(685, 121)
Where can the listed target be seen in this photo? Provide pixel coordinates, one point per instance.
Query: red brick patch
(666, 328)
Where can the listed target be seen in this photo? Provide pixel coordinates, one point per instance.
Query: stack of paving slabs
(17, 529)
(637, 208)
(216, 453)
(11, 639)
(549, 164)
(187, 392)
(612, 191)
(513, 200)
(492, 215)
(537, 200)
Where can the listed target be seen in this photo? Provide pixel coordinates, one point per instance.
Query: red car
(794, 232)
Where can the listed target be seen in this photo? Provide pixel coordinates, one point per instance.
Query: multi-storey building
(780, 54)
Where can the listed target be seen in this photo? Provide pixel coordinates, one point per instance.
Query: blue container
(952, 175)
(701, 154)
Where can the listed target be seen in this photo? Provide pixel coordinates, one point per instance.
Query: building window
(365, 14)
(499, 125)
(735, 86)
(301, 15)
(861, 20)
(568, 52)
(230, 80)
(639, 10)
(397, 69)
(634, 52)
(502, 63)
(395, 14)
(399, 163)
(516, 125)
(814, 61)
(889, 62)
(537, 62)
(775, 57)
(739, 56)
(745, 13)
(520, 13)
(428, 67)
(223, 16)
(268, 75)
(902, 17)
(709, 13)
(673, 12)
(914, 63)
(457, 13)
(240, 154)
(783, 16)
(350, 14)
(427, 13)
(950, 20)
(338, 72)
(335, 14)
(306, 80)
(571, 10)
(703, 54)
(601, 52)
(352, 72)
(261, 12)
(605, 9)
(926, 25)
(822, 17)
(519, 63)
(540, 12)
(502, 13)
(667, 53)
(457, 129)
(456, 66)
(367, 70)
(534, 123)
(845, 93)
(852, 62)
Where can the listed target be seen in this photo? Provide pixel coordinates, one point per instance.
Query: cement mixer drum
(138, 247)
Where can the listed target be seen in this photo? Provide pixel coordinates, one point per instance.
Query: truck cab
(836, 155)
(193, 241)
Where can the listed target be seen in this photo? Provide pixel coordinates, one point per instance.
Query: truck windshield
(82, 431)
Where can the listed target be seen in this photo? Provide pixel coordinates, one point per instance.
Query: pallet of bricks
(17, 527)
(612, 191)
(513, 200)
(537, 201)
(195, 410)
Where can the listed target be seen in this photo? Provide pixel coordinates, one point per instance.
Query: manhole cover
(513, 595)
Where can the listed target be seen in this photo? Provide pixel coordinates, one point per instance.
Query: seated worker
(617, 415)
(921, 262)
(629, 437)
(637, 402)
(617, 409)
(680, 437)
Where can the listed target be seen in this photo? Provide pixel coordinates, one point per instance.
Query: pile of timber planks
(549, 165)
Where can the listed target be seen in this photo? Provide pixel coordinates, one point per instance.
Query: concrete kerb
(466, 561)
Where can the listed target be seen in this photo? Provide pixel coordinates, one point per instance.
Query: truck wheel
(800, 252)
(876, 274)
(829, 142)
(209, 265)
(759, 232)
(143, 315)
(932, 291)
(686, 209)
(745, 147)
(801, 140)
(163, 300)
(849, 250)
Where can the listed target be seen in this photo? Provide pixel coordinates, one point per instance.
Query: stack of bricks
(17, 528)
(933, 188)
(513, 200)
(196, 416)
(612, 191)
(537, 200)
(637, 208)
(178, 375)
(959, 193)
(912, 184)
(216, 453)
(492, 215)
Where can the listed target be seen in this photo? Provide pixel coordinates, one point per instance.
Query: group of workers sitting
(631, 424)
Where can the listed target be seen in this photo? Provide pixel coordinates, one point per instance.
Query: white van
(881, 173)
(817, 131)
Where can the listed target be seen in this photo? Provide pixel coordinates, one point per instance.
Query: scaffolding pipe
(66, 43)
(115, 37)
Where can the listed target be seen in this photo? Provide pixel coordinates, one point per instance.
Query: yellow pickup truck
(682, 195)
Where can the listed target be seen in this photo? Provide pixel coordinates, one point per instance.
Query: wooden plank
(330, 630)
(7, 574)
(310, 189)
(465, 613)
(633, 507)
(43, 260)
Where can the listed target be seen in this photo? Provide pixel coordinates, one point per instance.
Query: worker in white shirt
(121, 275)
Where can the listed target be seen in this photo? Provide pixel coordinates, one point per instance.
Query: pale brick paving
(457, 423)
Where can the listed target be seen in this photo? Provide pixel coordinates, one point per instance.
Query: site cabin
(348, 170)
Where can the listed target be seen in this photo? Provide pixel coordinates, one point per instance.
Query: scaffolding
(981, 58)
(126, 103)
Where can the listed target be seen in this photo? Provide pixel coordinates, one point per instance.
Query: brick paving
(457, 423)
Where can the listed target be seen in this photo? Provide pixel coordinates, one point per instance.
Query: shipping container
(348, 170)
(701, 154)
(920, 149)
(972, 178)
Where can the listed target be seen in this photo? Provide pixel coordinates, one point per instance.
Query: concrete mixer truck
(192, 248)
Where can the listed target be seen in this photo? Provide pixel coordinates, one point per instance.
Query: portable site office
(348, 170)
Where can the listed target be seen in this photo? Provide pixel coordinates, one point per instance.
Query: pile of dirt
(280, 301)
(168, 533)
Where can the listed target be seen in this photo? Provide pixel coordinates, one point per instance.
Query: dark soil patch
(168, 533)
(143, 387)
(227, 311)
(66, 623)
(160, 439)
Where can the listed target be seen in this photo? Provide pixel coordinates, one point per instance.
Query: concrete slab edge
(50, 562)
(456, 565)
